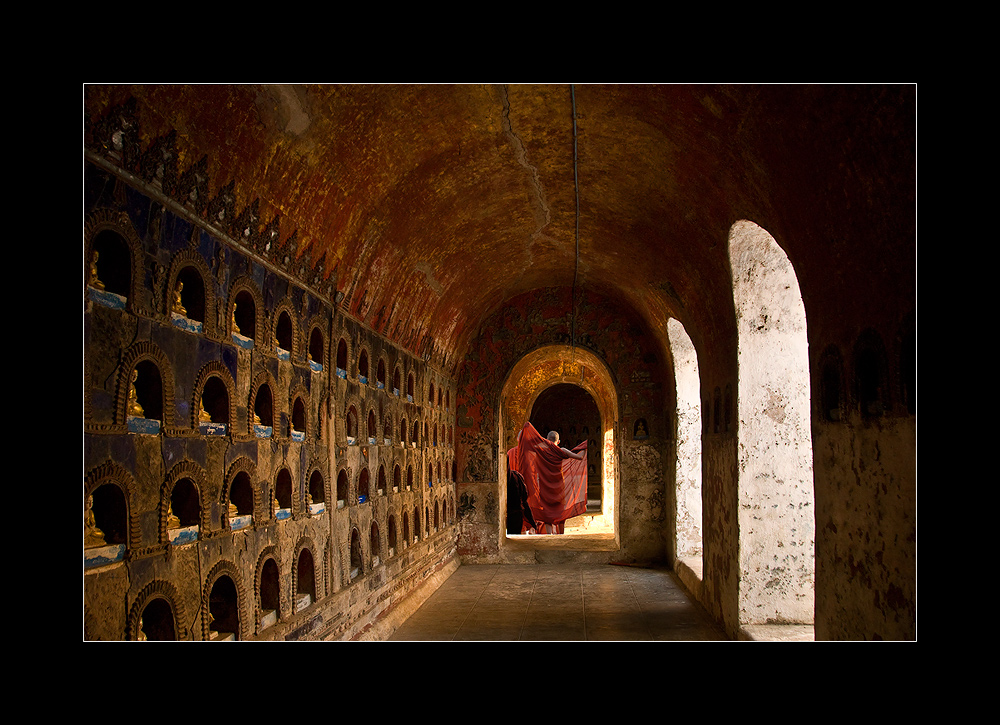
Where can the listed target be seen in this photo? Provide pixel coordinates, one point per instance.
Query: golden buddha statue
(172, 521)
(641, 430)
(203, 415)
(274, 502)
(233, 511)
(141, 636)
(236, 328)
(256, 419)
(92, 536)
(134, 408)
(94, 281)
(178, 305)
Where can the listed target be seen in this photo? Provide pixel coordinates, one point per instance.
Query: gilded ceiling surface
(428, 206)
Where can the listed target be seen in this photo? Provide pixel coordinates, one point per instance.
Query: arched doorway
(549, 386)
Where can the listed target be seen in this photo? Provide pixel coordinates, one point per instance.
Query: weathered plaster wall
(867, 529)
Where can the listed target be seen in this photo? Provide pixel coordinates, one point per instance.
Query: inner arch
(572, 412)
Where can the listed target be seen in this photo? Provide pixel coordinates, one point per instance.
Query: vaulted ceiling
(427, 206)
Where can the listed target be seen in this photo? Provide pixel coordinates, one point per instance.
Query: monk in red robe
(556, 478)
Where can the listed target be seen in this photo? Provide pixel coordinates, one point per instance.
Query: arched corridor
(316, 317)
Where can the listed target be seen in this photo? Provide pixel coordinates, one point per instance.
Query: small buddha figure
(141, 636)
(274, 503)
(172, 521)
(178, 305)
(92, 536)
(94, 281)
(640, 431)
(236, 328)
(233, 511)
(134, 408)
(256, 419)
(203, 415)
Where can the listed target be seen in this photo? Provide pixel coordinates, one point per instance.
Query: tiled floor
(570, 602)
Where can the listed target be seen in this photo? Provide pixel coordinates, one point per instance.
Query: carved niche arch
(306, 544)
(215, 368)
(317, 342)
(261, 379)
(111, 472)
(182, 260)
(363, 366)
(229, 569)
(294, 497)
(381, 368)
(240, 285)
(166, 591)
(118, 222)
(294, 333)
(344, 351)
(242, 464)
(397, 378)
(356, 426)
(299, 395)
(314, 468)
(132, 357)
(270, 553)
(190, 470)
(345, 482)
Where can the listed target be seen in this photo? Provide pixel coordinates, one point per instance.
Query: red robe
(557, 484)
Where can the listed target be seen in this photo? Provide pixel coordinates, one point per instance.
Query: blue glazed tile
(184, 323)
(245, 342)
(102, 555)
(212, 429)
(107, 299)
(145, 426)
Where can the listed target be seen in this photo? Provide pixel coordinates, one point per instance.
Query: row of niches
(149, 404)
(439, 396)
(190, 301)
(189, 304)
(403, 478)
(109, 528)
(281, 593)
(149, 395)
(404, 432)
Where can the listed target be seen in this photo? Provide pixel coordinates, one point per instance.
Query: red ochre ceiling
(432, 205)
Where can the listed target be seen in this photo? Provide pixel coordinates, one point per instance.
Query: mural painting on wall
(541, 318)
(532, 320)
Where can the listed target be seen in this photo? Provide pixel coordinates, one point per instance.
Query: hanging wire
(576, 186)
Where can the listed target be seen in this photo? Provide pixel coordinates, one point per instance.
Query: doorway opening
(570, 390)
